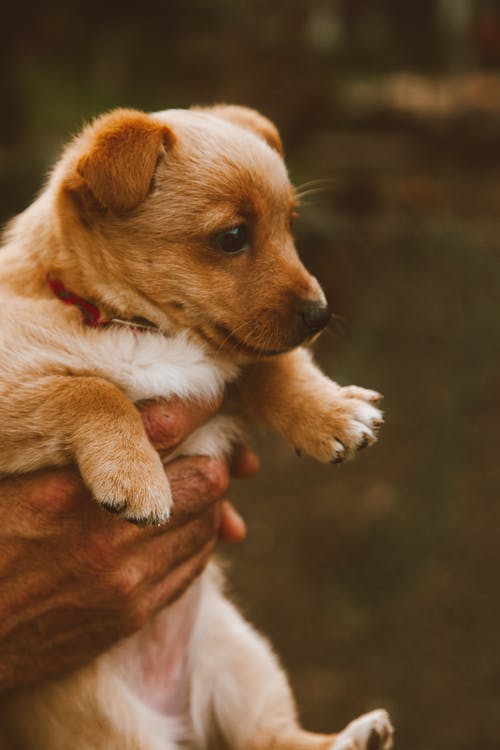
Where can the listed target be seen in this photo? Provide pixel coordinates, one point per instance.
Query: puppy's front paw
(130, 483)
(372, 731)
(340, 422)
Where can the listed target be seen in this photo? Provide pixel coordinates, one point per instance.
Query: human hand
(75, 579)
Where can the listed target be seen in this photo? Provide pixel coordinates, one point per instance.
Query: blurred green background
(377, 581)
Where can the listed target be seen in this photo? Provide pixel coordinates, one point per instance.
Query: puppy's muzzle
(315, 315)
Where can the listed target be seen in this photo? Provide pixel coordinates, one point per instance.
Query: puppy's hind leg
(240, 696)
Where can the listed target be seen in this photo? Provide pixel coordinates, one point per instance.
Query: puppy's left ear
(249, 119)
(119, 163)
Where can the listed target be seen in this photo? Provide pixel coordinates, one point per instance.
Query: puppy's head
(189, 211)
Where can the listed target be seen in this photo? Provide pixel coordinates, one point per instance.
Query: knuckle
(216, 476)
(168, 435)
(129, 600)
(202, 530)
(99, 557)
(124, 583)
(164, 424)
(118, 586)
(60, 491)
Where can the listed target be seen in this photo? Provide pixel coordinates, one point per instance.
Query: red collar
(91, 314)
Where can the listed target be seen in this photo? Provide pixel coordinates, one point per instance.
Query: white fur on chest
(147, 364)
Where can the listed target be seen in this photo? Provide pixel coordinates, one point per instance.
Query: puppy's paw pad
(372, 731)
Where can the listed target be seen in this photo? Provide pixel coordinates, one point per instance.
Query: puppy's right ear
(249, 119)
(121, 152)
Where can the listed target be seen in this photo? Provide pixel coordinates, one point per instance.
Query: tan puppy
(168, 238)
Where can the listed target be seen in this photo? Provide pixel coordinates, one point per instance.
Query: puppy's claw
(363, 394)
(368, 437)
(115, 508)
(122, 510)
(144, 521)
(141, 523)
(340, 453)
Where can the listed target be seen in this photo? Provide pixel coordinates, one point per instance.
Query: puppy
(159, 262)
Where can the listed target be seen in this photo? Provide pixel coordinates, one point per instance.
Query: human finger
(168, 423)
(196, 481)
(244, 462)
(156, 556)
(232, 528)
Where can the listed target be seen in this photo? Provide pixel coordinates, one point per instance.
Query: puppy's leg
(371, 731)
(314, 414)
(241, 697)
(90, 421)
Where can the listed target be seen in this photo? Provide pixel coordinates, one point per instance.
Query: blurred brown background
(378, 582)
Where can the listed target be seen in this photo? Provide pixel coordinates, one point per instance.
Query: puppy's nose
(316, 315)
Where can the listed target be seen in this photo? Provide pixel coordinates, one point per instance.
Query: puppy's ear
(122, 151)
(249, 119)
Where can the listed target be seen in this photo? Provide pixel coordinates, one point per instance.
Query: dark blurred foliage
(377, 581)
(63, 62)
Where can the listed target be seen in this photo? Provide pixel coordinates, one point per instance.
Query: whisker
(244, 341)
(233, 332)
(325, 181)
(337, 325)
(309, 197)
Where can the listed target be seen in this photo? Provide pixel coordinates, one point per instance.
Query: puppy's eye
(232, 241)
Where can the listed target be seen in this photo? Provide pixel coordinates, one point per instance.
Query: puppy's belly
(153, 664)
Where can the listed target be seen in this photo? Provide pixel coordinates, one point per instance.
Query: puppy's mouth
(221, 337)
(267, 332)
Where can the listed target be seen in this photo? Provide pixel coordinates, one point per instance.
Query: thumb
(168, 423)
